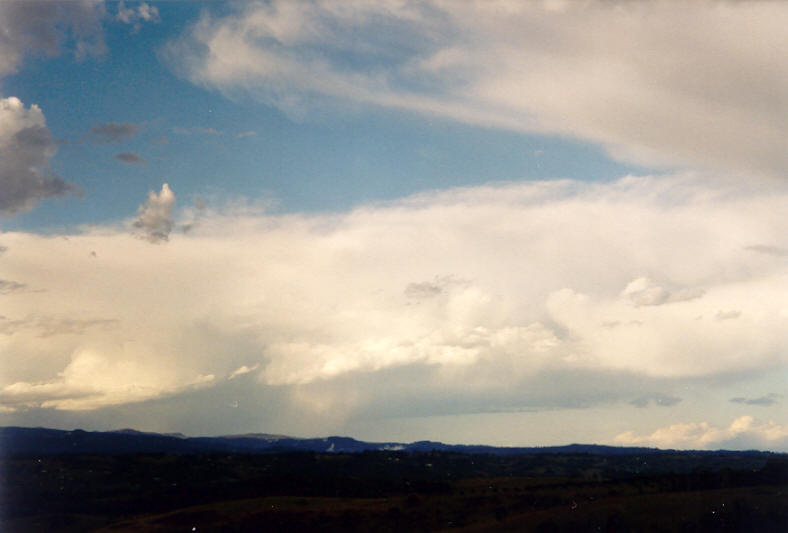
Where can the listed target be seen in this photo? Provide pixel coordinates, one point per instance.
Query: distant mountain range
(43, 441)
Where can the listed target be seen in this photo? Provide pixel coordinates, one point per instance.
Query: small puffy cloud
(744, 432)
(243, 369)
(636, 80)
(769, 399)
(43, 27)
(26, 147)
(154, 217)
(113, 132)
(644, 291)
(144, 12)
(130, 158)
(243, 134)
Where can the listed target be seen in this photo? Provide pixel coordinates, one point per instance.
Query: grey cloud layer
(33, 26)
(696, 84)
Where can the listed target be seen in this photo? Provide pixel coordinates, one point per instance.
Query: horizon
(403, 443)
(534, 223)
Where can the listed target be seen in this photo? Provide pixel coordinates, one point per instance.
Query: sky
(507, 223)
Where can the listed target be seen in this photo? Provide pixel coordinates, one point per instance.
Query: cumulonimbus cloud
(487, 286)
(695, 84)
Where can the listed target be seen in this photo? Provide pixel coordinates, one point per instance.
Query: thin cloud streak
(658, 83)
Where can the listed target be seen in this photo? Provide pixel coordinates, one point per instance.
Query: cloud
(196, 130)
(744, 432)
(113, 132)
(662, 400)
(490, 298)
(644, 291)
(769, 399)
(727, 315)
(92, 379)
(241, 370)
(143, 13)
(7, 286)
(193, 214)
(654, 82)
(154, 217)
(244, 134)
(47, 326)
(130, 158)
(43, 27)
(430, 289)
(26, 146)
(768, 250)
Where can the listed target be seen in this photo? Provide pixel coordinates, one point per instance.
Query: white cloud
(26, 146)
(96, 379)
(241, 370)
(486, 287)
(154, 217)
(645, 291)
(143, 13)
(697, 84)
(744, 432)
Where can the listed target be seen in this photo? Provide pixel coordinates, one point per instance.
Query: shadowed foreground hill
(384, 490)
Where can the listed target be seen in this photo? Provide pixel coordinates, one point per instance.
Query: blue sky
(396, 220)
(203, 144)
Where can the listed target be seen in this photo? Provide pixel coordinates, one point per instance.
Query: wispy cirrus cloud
(655, 82)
